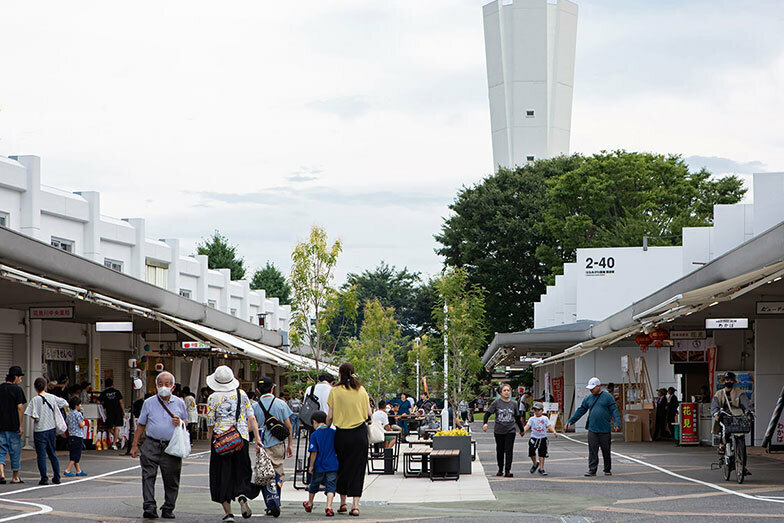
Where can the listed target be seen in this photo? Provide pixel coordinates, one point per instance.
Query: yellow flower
(453, 432)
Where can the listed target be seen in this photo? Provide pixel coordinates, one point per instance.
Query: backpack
(310, 405)
(273, 424)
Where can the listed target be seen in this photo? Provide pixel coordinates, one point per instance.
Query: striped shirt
(43, 415)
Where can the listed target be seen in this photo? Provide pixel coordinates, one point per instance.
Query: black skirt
(230, 476)
(351, 447)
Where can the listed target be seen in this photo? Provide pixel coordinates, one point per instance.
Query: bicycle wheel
(726, 468)
(740, 457)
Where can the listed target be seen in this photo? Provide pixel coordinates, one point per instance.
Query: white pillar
(225, 295)
(35, 369)
(202, 285)
(92, 233)
(244, 312)
(174, 266)
(138, 258)
(30, 220)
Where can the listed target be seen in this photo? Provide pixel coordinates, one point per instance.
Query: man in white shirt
(321, 390)
(44, 409)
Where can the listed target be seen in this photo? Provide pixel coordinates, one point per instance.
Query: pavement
(650, 482)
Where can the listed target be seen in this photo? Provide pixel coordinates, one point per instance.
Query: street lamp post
(417, 340)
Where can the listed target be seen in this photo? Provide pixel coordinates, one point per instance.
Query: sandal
(329, 512)
(16, 482)
(308, 506)
(343, 508)
(354, 512)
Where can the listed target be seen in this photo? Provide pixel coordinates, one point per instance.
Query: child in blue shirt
(323, 462)
(76, 423)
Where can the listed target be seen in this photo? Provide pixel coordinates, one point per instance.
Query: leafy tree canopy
(273, 282)
(221, 255)
(514, 230)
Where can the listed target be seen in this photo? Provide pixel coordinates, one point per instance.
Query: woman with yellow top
(349, 409)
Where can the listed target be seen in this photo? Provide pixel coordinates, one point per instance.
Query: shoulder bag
(263, 470)
(310, 405)
(273, 424)
(230, 441)
(60, 425)
(590, 410)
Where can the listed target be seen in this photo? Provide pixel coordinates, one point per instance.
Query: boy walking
(539, 424)
(75, 422)
(323, 466)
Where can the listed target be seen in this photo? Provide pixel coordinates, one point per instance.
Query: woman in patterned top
(230, 474)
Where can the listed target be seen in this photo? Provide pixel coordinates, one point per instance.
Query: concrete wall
(768, 370)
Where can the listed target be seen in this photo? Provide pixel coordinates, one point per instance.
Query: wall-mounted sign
(51, 313)
(59, 354)
(689, 351)
(537, 355)
(727, 323)
(770, 307)
(600, 266)
(689, 434)
(687, 335)
(113, 326)
(191, 345)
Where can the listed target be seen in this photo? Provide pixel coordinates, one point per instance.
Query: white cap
(137, 384)
(593, 382)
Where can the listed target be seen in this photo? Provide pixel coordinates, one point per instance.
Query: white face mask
(164, 392)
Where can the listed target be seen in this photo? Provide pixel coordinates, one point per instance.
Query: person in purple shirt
(160, 415)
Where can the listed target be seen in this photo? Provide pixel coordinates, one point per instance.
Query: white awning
(583, 348)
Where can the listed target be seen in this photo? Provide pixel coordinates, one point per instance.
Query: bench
(444, 465)
(416, 456)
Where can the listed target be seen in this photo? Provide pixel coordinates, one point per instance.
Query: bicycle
(734, 456)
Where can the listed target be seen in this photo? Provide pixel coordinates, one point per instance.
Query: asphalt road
(635, 492)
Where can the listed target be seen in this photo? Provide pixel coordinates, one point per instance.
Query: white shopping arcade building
(65, 267)
(589, 319)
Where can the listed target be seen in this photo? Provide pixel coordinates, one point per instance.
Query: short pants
(75, 448)
(329, 479)
(539, 444)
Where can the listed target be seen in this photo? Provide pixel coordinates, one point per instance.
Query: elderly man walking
(160, 415)
(603, 418)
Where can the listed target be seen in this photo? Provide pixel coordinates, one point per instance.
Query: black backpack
(273, 424)
(310, 405)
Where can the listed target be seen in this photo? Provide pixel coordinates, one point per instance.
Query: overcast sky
(263, 118)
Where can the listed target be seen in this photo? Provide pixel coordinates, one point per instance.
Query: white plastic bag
(180, 443)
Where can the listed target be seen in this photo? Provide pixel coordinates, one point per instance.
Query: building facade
(530, 53)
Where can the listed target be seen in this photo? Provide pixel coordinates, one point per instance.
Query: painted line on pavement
(681, 476)
(45, 508)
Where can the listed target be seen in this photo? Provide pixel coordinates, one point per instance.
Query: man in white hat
(159, 417)
(603, 418)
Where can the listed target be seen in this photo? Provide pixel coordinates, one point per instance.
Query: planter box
(461, 443)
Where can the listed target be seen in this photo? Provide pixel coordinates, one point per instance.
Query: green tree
(372, 354)
(273, 282)
(315, 301)
(514, 230)
(221, 255)
(460, 309)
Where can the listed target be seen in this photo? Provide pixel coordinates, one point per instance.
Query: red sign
(689, 434)
(558, 391)
(47, 313)
(712, 367)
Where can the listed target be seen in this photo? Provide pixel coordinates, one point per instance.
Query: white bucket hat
(222, 380)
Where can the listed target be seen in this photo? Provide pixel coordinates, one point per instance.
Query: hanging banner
(424, 384)
(547, 389)
(689, 433)
(97, 374)
(711, 351)
(558, 391)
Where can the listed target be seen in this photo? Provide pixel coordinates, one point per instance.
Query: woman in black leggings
(506, 416)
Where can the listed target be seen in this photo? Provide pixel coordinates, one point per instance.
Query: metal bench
(421, 457)
(444, 465)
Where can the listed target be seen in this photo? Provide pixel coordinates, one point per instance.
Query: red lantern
(643, 340)
(659, 335)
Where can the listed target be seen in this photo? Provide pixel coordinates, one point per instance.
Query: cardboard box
(633, 431)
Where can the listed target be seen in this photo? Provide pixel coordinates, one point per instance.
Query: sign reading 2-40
(599, 266)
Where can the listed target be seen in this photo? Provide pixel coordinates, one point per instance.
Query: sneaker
(533, 468)
(542, 472)
(150, 514)
(69, 474)
(82, 473)
(246, 511)
(608, 473)
(228, 518)
(114, 447)
(167, 514)
(589, 474)
(499, 473)
(56, 481)
(44, 481)
(508, 475)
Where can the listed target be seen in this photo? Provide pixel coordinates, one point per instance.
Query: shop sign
(51, 313)
(689, 351)
(727, 323)
(537, 355)
(59, 354)
(558, 391)
(689, 433)
(687, 335)
(192, 345)
(770, 307)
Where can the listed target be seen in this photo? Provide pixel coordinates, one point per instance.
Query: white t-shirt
(539, 426)
(322, 390)
(380, 417)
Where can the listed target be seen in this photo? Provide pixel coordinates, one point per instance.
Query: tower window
(529, 113)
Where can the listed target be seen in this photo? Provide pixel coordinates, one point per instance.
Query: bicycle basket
(738, 425)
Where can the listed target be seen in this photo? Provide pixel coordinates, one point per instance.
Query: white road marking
(680, 476)
(45, 508)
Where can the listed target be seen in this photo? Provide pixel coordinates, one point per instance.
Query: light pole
(445, 410)
(417, 340)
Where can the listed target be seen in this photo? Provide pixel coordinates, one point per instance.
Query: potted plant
(457, 439)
